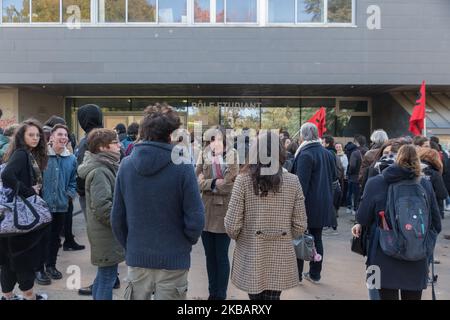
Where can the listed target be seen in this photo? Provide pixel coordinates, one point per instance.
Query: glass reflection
(16, 11)
(281, 11)
(310, 11)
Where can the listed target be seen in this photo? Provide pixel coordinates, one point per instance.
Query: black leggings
(265, 295)
(392, 294)
(9, 278)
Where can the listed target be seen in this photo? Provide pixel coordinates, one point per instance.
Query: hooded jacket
(99, 171)
(59, 180)
(90, 117)
(395, 274)
(157, 212)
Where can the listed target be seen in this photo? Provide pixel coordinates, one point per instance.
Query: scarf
(37, 174)
(109, 159)
(304, 144)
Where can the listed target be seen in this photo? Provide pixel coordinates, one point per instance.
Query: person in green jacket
(5, 139)
(99, 169)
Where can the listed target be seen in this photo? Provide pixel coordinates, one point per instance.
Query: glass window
(240, 114)
(16, 11)
(340, 11)
(350, 125)
(111, 11)
(172, 11)
(354, 106)
(45, 11)
(207, 113)
(220, 11)
(280, 114)
(241, 11)
(281, 11)
(141, 10)
(202, 11)
(83, 7)
(310, 11)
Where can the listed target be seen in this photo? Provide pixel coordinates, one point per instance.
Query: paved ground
(342, 278)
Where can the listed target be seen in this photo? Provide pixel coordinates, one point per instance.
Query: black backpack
(408, 235)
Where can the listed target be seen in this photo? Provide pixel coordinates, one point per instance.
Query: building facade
(240, 63)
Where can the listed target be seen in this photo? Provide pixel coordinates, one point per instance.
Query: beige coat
(264, 227)
(216, 203)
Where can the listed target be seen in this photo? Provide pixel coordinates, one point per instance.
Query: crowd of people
(144, 208)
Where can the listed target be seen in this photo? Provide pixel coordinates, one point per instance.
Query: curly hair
(159, 121)
(18, 142)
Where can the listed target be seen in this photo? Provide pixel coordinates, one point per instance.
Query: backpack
(408, 236)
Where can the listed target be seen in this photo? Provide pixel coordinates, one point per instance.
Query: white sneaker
(41, 296)
(349, 211)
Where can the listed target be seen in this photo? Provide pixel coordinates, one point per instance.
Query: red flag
(319, 119)
(417, 120)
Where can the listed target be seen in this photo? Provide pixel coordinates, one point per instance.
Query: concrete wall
(413, 44)
(39, 106)
(9, 103)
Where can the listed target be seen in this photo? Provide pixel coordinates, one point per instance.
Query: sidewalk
(342, 276)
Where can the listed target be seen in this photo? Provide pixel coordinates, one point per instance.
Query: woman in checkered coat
(265, 213)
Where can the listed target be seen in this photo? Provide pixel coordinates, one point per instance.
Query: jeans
(68, 221)
(353, 191)
(217, 263)
(314, 267)
(102, 288)
(55, 240)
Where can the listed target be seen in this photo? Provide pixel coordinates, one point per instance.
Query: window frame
(262, 18)
(325, 22)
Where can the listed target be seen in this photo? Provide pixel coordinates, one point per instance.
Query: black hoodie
(90, 117)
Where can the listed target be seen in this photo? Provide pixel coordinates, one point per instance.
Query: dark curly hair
(159, 121)
(39, 153)
(262, 184)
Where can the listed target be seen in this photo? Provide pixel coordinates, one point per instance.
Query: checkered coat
(264, 227)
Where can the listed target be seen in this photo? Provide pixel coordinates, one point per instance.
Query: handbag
(22, 215)
(359, 244)
(304, 247)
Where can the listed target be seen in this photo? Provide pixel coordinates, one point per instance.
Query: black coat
(316, 168)
(436, 181)
(354, 164)
(395, 274)
(22, 252)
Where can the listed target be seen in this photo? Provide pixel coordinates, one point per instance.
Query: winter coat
(59, 180)
(216, 198)
(395, 274)
(354, 165)
(436, 180)
(368, 159)
(157, 212)
(4, 144)
(99, 171)
(316, 168)
(264, 227)
(344, 162)
(22, 252)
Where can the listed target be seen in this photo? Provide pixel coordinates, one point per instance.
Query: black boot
(54, 273)
(86, 291)
(72, 246)
(117, 284)
(42, 278)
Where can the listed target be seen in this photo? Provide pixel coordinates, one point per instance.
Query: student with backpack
(399, 205)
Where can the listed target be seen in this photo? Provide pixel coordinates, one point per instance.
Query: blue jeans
(353, 192)
(102, 288)
(315, 268)
(217, 263)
